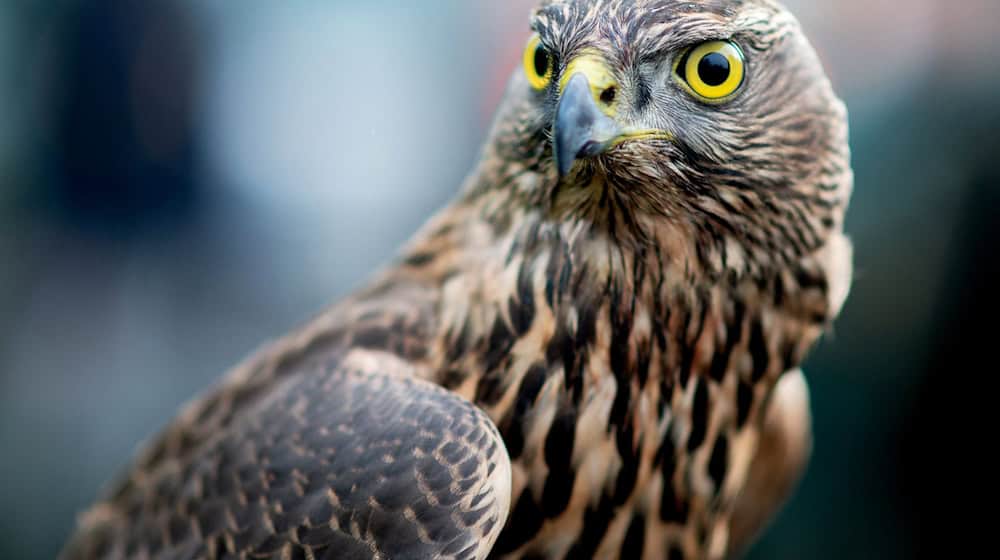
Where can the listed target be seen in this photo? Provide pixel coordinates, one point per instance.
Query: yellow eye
(713, 70)
(538, 63)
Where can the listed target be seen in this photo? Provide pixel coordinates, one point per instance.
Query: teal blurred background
(181, 181)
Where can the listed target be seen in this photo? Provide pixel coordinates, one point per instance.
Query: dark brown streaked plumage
(592, 354)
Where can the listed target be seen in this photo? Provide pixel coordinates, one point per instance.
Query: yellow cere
(592, 65)
(538, 63)
(706, 71)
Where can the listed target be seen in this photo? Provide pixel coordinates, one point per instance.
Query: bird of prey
(592, 352)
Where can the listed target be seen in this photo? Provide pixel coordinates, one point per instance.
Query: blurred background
(182, 180)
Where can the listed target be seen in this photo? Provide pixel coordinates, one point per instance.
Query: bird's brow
(653, 38)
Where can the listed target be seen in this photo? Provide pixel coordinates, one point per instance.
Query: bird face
(714, 112)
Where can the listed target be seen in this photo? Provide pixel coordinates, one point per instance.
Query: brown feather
(624, 327)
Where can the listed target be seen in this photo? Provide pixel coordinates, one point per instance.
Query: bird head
(712, 113)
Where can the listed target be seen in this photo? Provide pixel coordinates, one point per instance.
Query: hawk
(592, 352)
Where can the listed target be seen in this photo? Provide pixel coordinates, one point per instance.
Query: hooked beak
(581, 129)
(587, 122)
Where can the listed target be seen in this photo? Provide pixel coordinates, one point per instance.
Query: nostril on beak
(608, 95)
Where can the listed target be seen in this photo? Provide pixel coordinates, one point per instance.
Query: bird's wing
(355, 460)
(781, 460)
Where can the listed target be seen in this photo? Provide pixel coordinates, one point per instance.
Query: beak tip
(563, 165)
(565, 155)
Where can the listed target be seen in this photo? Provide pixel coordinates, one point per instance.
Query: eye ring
(539, 64)
(713, 71)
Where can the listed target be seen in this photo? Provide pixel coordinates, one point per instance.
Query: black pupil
(541, 61)
(713, 69)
